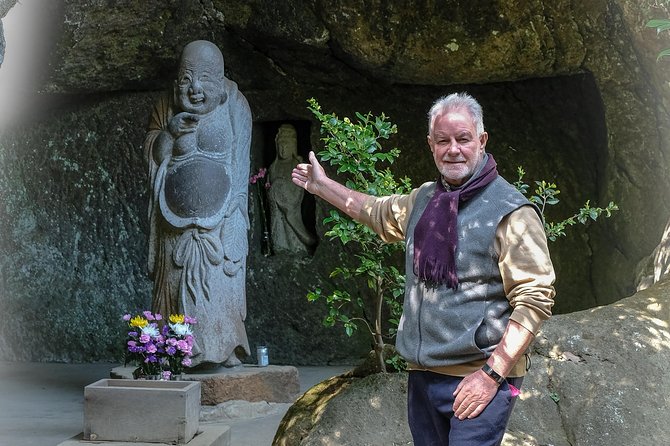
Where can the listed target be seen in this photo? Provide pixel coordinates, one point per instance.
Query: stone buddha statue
(287, 228)
(197, 149)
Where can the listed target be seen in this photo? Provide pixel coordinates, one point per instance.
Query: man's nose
(454, 148)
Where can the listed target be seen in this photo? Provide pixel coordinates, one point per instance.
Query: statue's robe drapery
(199, 222)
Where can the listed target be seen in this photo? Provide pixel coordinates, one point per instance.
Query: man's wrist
(495, 376)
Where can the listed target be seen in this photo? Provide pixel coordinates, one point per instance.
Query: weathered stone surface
(594, 381)
(344, 410)
(571, 91)
(5, 6)
(277, 384)
(656, 266)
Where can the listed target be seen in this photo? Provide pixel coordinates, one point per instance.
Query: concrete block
(209, 435)
(141, 411)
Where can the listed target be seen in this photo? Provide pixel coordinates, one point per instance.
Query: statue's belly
(195, 192)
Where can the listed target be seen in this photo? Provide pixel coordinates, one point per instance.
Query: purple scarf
(435, 234)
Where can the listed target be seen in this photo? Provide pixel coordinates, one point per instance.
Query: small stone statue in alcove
(288, 230)
(197, 148)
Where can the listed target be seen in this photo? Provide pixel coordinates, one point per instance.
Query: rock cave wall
(571, 92)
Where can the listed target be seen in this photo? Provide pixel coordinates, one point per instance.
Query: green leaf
(659, 24)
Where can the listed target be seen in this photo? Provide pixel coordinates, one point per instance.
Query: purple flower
(158, 316)
(151, 348)
(171, 341)
(132, 334)
(132, 343)
(186, 362)
(182, 345)
(166, 375)
(171, 351)
(148, 315)
(126, 317)
(144, 338)
(190, 320)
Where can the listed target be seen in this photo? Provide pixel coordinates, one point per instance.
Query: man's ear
(483, 139)
(430, 142)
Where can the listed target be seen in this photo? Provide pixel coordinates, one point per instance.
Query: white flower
(181, 329)
(151, 330)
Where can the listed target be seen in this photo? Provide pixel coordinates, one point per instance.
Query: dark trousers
(430, 400)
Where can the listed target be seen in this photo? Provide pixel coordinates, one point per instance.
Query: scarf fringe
(436, 272)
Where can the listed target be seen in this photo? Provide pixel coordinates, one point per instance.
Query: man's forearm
(347, 200)
(514, 344)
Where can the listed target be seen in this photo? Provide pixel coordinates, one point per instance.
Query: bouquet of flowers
(159, 348)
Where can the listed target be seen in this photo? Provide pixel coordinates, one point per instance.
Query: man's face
(200, 85)
(457, 149)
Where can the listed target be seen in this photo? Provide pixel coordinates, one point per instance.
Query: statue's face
(200, 85)
(287, 143)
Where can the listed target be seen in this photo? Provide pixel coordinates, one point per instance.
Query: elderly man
(197, 149)
(479, 280)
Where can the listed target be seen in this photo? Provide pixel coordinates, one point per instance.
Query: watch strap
(493, 374)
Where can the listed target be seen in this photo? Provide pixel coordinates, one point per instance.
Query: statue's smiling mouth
(197, 99)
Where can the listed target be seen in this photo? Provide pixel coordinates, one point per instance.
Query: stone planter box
(141, 411)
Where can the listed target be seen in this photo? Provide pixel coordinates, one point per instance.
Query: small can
(262, 355)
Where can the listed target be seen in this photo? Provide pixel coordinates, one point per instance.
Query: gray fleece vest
(443, 327)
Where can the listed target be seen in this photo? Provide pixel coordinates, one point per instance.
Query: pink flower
(268, 185)
(151, 348)
(126, 317)
(515, 392)
(190, 320)
(182, 345)
(144, 338)
(158, 316)
(186, 362)
(148, 315)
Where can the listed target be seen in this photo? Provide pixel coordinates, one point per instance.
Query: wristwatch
(493, 374)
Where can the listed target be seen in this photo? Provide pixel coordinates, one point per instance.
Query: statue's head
(200, 84)
(287, 141)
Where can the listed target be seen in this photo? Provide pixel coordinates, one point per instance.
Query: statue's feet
(232, 361)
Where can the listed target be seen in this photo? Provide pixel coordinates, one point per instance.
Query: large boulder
(594, 381)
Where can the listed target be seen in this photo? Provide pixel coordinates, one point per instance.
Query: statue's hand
(183, 123)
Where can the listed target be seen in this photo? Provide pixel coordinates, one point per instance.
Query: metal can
(262, 355)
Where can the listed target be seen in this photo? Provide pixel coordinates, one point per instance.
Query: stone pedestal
(141, 411)
(278, 384)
